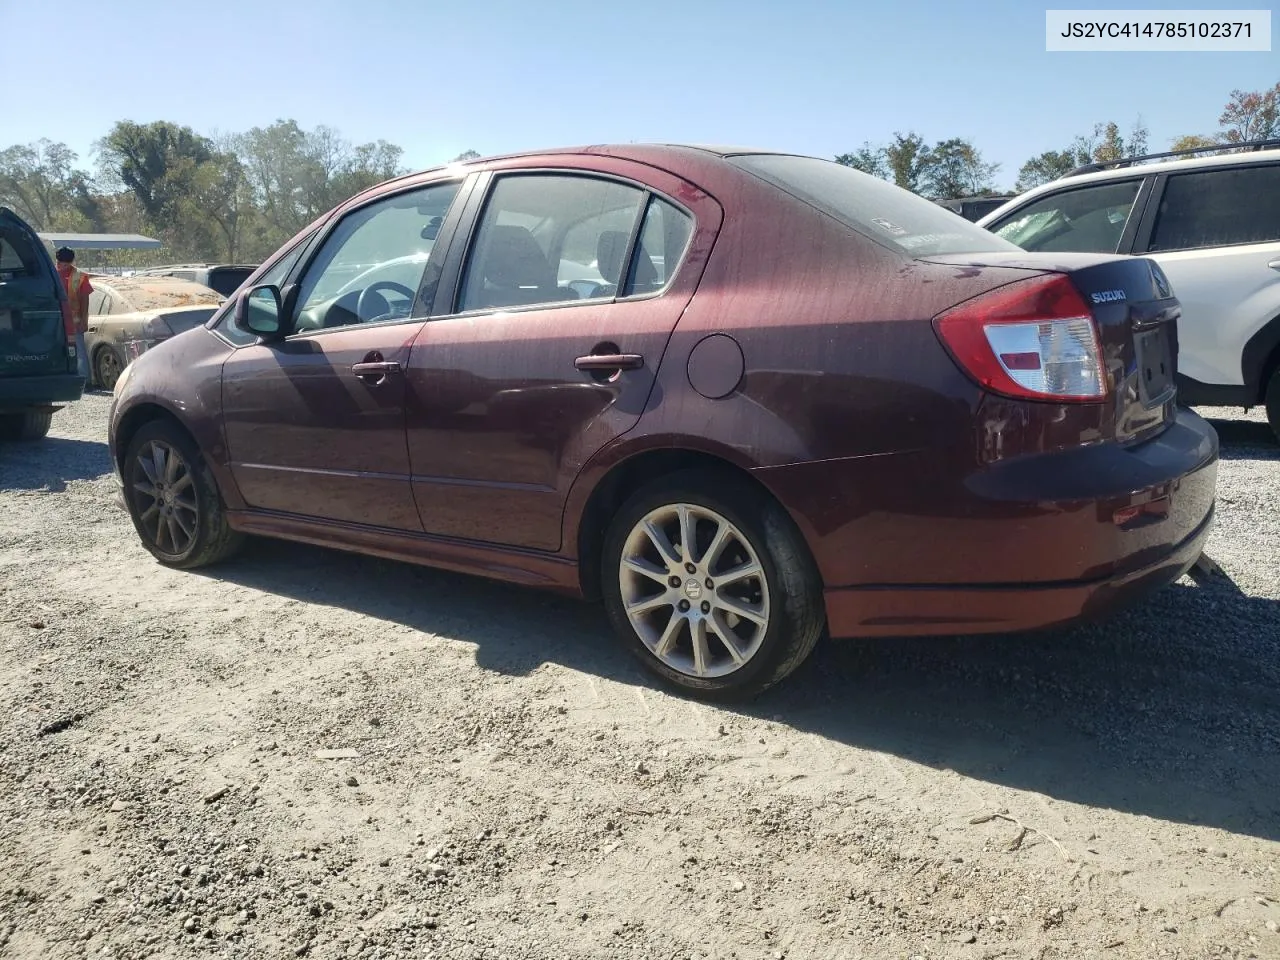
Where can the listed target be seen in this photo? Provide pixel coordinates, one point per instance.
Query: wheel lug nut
(684, 606)
(674, 581)
(706, 607)
(691, 568)
(710, 585)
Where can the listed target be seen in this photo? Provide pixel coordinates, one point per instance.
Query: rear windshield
(227, 280)
(876, 208)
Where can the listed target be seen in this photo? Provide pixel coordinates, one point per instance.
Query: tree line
(237, 197)
(231, 198)
(955, 167)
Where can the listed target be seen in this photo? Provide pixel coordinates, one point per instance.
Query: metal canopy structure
(100, 241)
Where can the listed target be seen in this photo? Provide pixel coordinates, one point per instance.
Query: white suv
(1213, 225)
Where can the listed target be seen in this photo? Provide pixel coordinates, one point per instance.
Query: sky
(439, 78)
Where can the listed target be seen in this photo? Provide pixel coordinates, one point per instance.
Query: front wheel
(173, 499)
(710, 584)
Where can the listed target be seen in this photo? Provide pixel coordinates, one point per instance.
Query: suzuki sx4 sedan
(744, 398)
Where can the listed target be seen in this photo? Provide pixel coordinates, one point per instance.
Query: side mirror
(258, 311)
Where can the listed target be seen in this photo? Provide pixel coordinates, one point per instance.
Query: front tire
(173, 499)
(711, 586)
(26, 425)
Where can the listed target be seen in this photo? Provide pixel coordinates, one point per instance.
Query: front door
(315, 421)
(561, 315)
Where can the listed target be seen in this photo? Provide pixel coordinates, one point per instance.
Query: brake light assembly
(69, 328)
(1032, 339)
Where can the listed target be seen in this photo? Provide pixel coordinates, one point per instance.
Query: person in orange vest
(78, 290)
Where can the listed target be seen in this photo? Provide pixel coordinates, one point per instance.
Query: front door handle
(375, 371)
(1274, 264)
(610, 361)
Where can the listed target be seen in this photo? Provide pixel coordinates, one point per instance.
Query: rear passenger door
(1216, 234)
(546, 340)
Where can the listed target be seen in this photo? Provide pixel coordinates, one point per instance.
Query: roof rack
(1101, 165)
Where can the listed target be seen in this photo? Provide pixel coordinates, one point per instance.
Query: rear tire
(173, 499)
(750, 611)
(1273, 403)
(26, 425)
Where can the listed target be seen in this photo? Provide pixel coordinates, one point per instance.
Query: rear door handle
(610, 361)
(1274, 264)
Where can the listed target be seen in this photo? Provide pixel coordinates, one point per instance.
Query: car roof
(1136, 170)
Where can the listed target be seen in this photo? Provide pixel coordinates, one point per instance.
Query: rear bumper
(915, 543)
(26, 392)
(982, 608)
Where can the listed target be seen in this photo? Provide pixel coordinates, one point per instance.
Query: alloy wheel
(694, 590)
(165, 497)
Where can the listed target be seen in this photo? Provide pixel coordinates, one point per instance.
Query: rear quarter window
(891, 216)
(17, 259)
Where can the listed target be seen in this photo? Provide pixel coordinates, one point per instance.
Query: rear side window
(663, 237)
(1218, 208)
(1086, 220)
(17, 259)
(887, 214)
(549, 238)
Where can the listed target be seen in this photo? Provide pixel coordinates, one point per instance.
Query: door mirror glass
(260, 311)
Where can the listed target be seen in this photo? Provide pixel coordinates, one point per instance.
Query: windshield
(876, 208)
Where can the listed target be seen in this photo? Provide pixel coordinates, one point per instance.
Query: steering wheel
(364, 302)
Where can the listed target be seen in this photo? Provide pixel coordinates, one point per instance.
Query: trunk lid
(1136, 313)
(33, 338)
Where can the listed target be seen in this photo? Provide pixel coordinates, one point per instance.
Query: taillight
(69, 321)
(1033, 339)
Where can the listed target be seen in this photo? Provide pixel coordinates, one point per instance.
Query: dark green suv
(38, 369)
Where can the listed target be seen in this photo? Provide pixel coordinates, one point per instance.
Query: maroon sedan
(744, 397)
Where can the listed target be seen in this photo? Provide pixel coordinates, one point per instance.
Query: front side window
(1218, 208)
(371, 266)
(275, 276)
(549, 238)
(1086, 220)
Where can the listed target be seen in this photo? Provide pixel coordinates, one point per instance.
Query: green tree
(466, 155)
(955, 168)
(1105, 143)
(1251, 116)
(1048, 166)
(40, 182)
(907, 158)
(868, 158)
(1192, 141)
(295, 175)
(156, 161)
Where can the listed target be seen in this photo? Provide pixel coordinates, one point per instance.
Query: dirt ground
(514, 787)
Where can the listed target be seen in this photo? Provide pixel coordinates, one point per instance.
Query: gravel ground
(514, 787)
